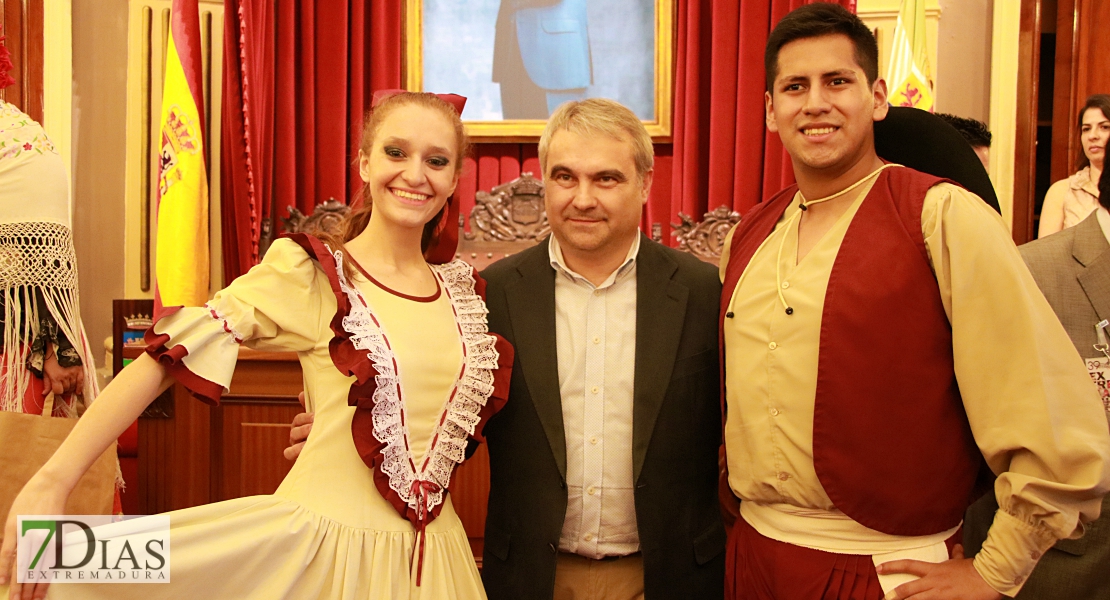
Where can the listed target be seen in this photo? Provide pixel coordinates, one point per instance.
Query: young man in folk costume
(882, 334)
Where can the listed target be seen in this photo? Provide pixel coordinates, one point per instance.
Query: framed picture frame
(517, 60)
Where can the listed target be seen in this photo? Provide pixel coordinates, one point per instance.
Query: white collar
(555, 254)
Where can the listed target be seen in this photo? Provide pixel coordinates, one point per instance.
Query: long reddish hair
(358, 219)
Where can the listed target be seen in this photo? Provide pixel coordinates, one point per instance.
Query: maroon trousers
(760, 568)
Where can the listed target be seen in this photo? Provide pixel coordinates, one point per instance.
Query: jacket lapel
(1091, 250)
(660, 312)
(531, 301)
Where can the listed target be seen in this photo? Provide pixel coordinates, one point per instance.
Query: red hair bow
(455, 100)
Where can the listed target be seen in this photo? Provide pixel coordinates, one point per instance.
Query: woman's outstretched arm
(114, 410)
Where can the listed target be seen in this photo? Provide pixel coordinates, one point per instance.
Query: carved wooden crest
(706, 239)
(510, 212)
(325, 217)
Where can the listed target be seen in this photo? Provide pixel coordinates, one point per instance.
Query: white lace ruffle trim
(463, 405)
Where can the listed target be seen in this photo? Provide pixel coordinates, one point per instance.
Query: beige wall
(959, 40)
(963, 68)
(99, 121)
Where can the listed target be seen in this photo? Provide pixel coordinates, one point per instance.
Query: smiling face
(823, 108)
(1094, 131)
(412, 166)
(593, 194)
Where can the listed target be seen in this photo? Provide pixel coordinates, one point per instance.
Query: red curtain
(299, 74)
(722, 152)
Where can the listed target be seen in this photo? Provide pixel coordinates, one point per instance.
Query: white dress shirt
(595, 334)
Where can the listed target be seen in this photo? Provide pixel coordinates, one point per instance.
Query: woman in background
(398, 365)
(43, 347)
(1070, 200)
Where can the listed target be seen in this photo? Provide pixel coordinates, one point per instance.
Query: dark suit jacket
(1072, 268)
(676, 429)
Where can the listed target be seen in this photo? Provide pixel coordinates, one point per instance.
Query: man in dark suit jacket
(1072, 269)
(596, 159)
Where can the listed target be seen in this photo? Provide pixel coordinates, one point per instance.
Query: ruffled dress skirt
(325, 533)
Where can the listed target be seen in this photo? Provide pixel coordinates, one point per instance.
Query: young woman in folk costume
(398, 365)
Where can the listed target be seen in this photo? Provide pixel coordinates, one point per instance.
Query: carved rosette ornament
(325, 217)
(510, 212)
(706, 239)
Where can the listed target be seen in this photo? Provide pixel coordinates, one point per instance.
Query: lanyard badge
(1099, 367)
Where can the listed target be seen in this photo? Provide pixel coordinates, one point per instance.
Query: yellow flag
(181, 259)
(907, 75)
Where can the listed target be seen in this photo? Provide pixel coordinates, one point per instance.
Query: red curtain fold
(299, 75)
(298, 78)
(722, 152)
(246, 155)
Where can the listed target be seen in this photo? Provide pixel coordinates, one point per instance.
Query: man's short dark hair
(975, 132)
(817, 20)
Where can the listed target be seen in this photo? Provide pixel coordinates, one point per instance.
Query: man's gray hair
(605, 117)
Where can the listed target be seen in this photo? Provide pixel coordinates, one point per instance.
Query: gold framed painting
(517, 60)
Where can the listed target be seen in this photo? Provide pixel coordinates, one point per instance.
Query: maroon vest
(891, 443)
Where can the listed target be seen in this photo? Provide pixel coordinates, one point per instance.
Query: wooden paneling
(22, 22)
(1064, 103)
(1093, 60)
(174, 456)
(1025, 145)
(259, 473)
(469, 491)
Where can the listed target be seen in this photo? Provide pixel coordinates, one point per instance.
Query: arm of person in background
(59, 379)
(45, 494)
(53, 357)
(1052, 211)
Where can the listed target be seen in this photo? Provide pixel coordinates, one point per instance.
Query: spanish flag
(908, 71)
(181, 254)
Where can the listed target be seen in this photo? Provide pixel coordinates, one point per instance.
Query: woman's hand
(38, 497)
(61, 380)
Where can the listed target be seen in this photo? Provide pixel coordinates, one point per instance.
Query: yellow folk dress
(330, 531)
